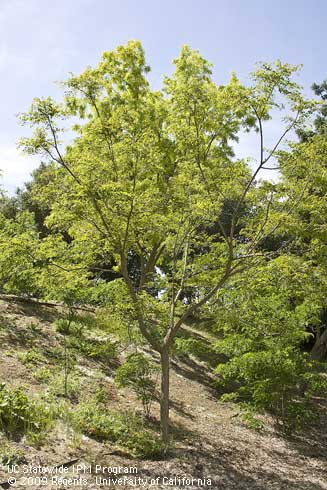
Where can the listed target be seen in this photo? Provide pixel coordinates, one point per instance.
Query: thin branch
(195, 306)
(287, 130)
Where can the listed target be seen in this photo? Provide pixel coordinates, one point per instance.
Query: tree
(149, 175)
(307, 223)
(319, 123)
(18, 243)
(265, 325)
(137, 373)
(24, 199)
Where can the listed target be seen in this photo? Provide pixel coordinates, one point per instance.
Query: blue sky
(41, 41)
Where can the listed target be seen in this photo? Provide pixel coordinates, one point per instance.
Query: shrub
(34, 328)
(19, 414)
(97, 349)
(94, 348)
(198, 348)
(270, 381)
(103, 394)
(43, 374)
(143, 443)
(125, 429)
(70, 324)
(10, 455)
(250, 417)
(68, 386)
(99, 423)
(137, 372)
(264, 326)
(63, 326)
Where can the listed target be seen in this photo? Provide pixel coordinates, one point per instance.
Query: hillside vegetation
(163, 298)
(210, 438)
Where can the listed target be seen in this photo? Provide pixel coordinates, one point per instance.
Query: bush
(71, 324)
(143, 443)
(263, 328)
(34, 328)
(98, 423)
(69, 386)
(97, 349)
(43, 374)
(19, 414)
(10, 455)
(125, 429)
(271, 381)
(137, 372)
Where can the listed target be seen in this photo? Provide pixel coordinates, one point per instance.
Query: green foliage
(143, 443)
(125, 429)
(145, 184)
(18, 244)
(9, 455)
(63, 326)
(75, 341)
(43, 374)
(31, 357)
(270, 381)
(319, 126)
(229, 397)
(98, 423)
(74, 323)
(195, 347)
(117, 314)
(19, 414)
(101, 394)
(137, 372)
(99, 349)
(65, 386)
(250, 417)
(150, 185)
(264, 327)
(74, 326)
(34, 328)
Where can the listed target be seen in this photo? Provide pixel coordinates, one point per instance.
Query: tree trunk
(65, 368)
(319, 350)
(164, 402)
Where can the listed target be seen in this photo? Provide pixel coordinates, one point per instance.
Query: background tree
(319, 123)
(263, 327)
(25, 199)
(307, 224)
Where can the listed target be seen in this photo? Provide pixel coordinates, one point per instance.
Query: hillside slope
(211, 441)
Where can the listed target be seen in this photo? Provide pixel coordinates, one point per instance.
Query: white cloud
(15, 168)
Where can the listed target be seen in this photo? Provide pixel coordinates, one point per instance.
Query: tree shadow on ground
(202, 347)
(224, 471)
(312, 441)
(22, 307)
(180, 409)
(23, 335)
(229, 469)
(190, 369)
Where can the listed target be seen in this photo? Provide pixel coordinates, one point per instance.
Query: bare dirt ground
(212, 445)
